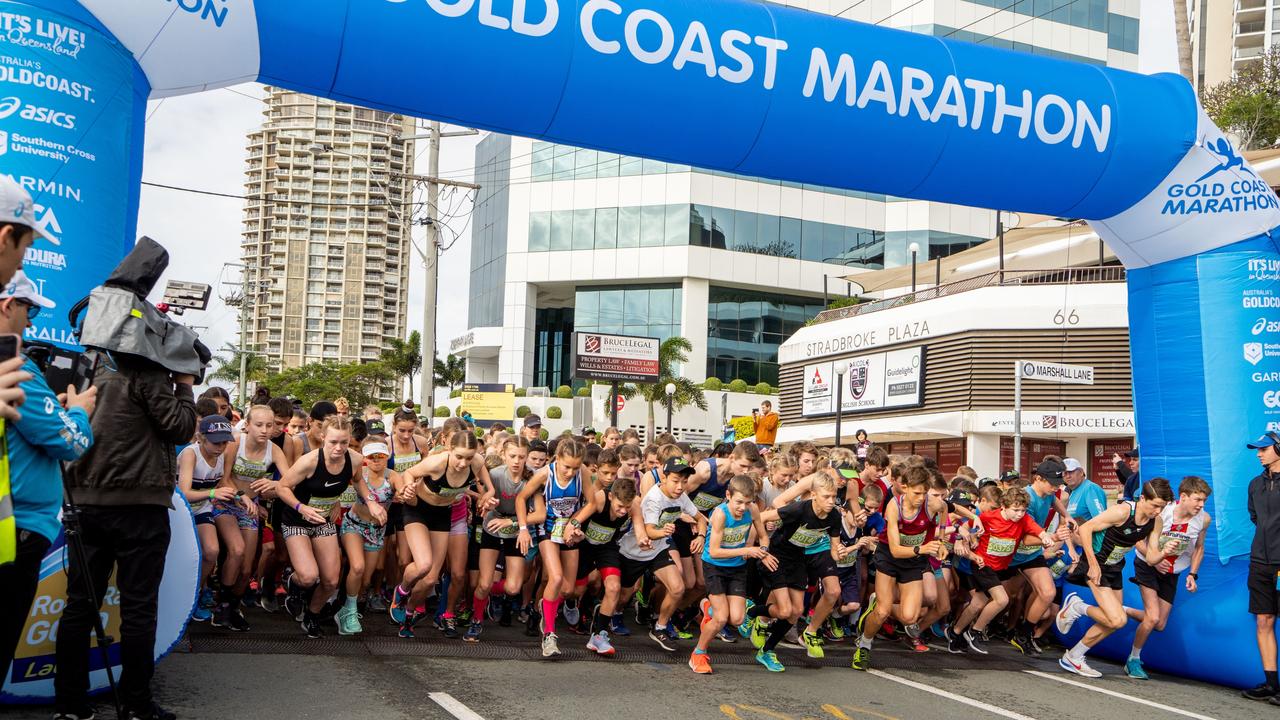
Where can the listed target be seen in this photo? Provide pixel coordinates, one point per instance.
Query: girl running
(364, 528)
(498, 541)
(310, 490)
(200, 470)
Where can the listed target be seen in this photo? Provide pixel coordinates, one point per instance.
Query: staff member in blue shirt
(1088, 500)
(51, 429)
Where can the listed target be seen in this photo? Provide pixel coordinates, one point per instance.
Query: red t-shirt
(998, 544)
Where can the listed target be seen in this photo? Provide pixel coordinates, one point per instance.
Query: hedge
(564, 392)
(738, 386)
(522, 411)
(520, 392)
(712, 383)
(554, 412)
(584, 391)
(443, 411)
(764, 388)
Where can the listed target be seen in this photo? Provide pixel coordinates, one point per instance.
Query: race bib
(1000, 547)
(598, 534)
(807, 537)
(508, 531)
(911, 540)
(557, 530)
(1116, 556)
(734, 536)
(848, 561)
(706, 501)
(322, 505)
(668, 516)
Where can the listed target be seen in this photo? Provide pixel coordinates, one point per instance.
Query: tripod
(75, 544)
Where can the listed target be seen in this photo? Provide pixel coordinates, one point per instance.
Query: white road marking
(1113, 693)
(951, 696)
(453, 707)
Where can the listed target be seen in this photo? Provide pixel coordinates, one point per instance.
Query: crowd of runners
(342, 520)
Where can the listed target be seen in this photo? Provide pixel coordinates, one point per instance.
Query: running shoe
(664, 636)
(974, 639)
(504, 614)
(155, 712)
(219, 616)
(399, 605)
(525, 612)
(600, 645)
(569, 609)
(727, 635)
(682, 633)
(866, 613)
(758, 633)
(955, 644)
(206, 599)
(744, 629)
(1022, 643)
(915, 644)
(349, 621)
(888, 630)
(464, 616)
(251, 592)
(1263, 692)
(473, 632)
(550, 645)
(269, 603)
(376, 603)
(236, 621)
(311, 626)
(450, 627)
(813, 645)
(939, 629)
(406, 629)
(201, 614)
(88, 713)
(699, 663)
(1070, 612)
(770, 661)
(533, 624)
(792, 638)
(1080, 668)
(618, 625)
(1133, 668)
(835, 630)
(294, 607)
(861, 658)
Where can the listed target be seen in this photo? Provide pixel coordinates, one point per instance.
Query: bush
(479, 433)
(459, 411)
(443, 411)
(764, 388)
(564, 392)
(543, 435)
(584, 391)
(455, 394)
(520, 392)
(712, 383)
(554, 412)
(738, 386)
(843, 302)
(522, 411)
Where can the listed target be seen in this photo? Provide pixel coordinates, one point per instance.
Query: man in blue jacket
(50, 430)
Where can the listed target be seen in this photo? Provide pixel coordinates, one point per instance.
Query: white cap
(16, 206)
(22, 288)
(375, 448)
(1072, 464)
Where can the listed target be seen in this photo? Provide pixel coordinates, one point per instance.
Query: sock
(1077, 653)
(499, 587)
(699, 651)
(351, 602)
(1025, 628)
(864, 642)
(1272, 679)
(399, 588)
(550, 608)
(758, 610)
(447, 615)
(777, 631)
(478, 607)
(598, 623)
(1135, 653)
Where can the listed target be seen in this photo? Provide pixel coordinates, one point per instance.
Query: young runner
(1045, 505)
(782, 472)
(902, 559)
(724, 556)
(1107, 539)
(1184, 522)
(364, 528)
(498, 541)
(611, 512)
(310, 489)
(561, 487)
(200, 470)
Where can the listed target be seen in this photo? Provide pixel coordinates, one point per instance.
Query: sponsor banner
(1239, 320)
(621, 358)
(1055, 372)
(1080, 423)
(489, 403)
(68, 103)
(30, 678)
(871, 382)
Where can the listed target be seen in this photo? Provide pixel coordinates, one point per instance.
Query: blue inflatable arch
(752, 88)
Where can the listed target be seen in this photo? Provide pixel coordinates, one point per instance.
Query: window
(584, 229)
(606, 228)
(653, 222)
(561, 230)
(628, 227)
(539, 231)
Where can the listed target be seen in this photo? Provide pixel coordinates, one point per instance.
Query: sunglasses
(33, 311)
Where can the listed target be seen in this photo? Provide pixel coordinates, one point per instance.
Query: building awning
(920, 427)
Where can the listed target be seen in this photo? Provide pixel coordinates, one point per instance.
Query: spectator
(48, 432)
(861, 445)
(344, 406)
(766, 425)
(372, 412)
(124, 487)
(1127, 470)
(532, 427)
(1264, 561)
(1088, 500)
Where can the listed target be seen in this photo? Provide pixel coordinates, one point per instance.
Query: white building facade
(566, 239)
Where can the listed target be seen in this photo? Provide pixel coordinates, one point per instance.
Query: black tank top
(1117, 540)
(440, 486)
(321, 490)
(602, 528)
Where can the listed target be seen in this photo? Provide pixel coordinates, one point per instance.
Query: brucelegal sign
(615, 358)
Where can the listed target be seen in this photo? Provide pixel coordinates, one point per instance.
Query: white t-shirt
(1186, 533)
(659, 510)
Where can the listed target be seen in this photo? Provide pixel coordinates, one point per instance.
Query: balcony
(1253, 26)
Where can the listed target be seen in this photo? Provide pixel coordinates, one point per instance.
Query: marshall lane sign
(615, 358)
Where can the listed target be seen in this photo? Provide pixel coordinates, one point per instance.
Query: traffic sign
(621, 402)
(1055, 372)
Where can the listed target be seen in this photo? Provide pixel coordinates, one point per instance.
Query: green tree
(671, 355)
(257, 367)
(404, 357)
(1248, 105)
(361, 383)
(450, 372)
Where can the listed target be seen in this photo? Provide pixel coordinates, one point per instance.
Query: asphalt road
(275, 672)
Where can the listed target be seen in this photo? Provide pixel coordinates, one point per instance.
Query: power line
(264, 199)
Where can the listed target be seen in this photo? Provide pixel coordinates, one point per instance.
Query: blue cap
(215, 428)
(1268, 440)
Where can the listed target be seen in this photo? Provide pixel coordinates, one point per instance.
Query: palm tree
(257, 366)
(451, 372)
(1182, 39)
(404, 358)
(672, 353)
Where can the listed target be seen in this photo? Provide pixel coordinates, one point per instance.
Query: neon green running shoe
(812, 645)
(861, 658)
(758, 634)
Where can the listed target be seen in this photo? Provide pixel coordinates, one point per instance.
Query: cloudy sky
(198, 141)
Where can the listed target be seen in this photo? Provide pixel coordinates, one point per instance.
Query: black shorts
(1264, 599)
(1112, 576)
(598, 557)
(1165, 584)
(474, 534)
(1037, 562)
(723, 580)
(819, 565)
(682, 538)
(903, 570)
(437, 518)
(850, 589)
(505, 546)
(633, 570)
(792, 572)
(395, 518)
(985, 579)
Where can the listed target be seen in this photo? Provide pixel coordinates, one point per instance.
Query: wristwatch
(1194, 576)
(915, 549)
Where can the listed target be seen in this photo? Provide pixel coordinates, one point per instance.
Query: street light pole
(915, 249)
(841, 369)
(671, 395)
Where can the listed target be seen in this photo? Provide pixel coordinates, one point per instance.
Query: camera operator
(49, 431)
(124, 487)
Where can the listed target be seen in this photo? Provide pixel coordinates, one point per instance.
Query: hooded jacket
(1264, 511)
